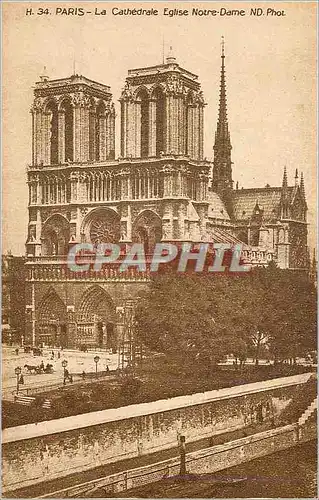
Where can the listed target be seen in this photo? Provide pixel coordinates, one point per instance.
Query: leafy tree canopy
(200, 317)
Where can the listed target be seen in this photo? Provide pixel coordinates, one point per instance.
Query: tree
(199, 318)
(176, 317)
(295, 316)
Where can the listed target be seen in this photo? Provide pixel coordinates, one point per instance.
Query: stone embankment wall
(40, 452)
(205, 461)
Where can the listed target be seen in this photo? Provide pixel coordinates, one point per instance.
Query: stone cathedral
(161, 188)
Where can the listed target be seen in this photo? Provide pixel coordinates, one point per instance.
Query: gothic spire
(284, 195)
(222, 168)
(285, 179)
(302, 186)
(222, 137)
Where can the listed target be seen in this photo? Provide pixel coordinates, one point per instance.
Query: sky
(270, 74)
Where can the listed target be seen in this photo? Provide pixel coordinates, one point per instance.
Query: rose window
(104, 231)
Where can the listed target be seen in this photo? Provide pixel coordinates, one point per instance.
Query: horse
(31, 368)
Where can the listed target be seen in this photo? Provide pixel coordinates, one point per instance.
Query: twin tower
(156, 190)
(161, 113)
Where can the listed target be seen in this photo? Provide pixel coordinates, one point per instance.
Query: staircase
(306, 414)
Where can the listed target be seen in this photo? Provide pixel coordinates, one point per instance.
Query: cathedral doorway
(96, 320)
(52, 321)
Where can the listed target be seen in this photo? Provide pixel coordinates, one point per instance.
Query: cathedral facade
(160, 189)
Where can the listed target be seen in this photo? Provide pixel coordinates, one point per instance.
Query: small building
(13, 299)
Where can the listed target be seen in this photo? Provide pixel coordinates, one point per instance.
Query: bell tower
(162, 110)
(72, 121)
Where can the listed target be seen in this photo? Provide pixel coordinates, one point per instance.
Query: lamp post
(17, 371)
(64, 364)
(96, 360)
(182, 452)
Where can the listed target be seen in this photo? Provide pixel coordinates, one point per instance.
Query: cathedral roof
(216, 208)
(267, 199)
(219, 235)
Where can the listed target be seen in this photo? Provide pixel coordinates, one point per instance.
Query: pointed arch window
(100, 132)
(188, 124)
(143, 102)
(68, 133)
(92, 131)
(160, 119)
(52, 110)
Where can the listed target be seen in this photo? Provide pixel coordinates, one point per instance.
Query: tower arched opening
(189, 123)
(52, 110)
(92, 130)
(143, 104)
(99, 130)
(67, 109)
(159, 97)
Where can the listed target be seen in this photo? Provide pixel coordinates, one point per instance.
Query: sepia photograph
(159, 249)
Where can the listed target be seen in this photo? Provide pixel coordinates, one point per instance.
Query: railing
(121, 160)
(35, 388)
(59, 271)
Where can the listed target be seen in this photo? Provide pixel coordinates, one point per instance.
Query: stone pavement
(77, 363)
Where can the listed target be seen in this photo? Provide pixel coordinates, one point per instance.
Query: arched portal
(55, 236)
(147, 229)
(96, 319)
(52, 321)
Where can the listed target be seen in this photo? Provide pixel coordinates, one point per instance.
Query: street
(77, 362)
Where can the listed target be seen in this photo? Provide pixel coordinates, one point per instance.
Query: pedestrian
(42, 365)
(52, 354)
(107, 369)
(17, 351)
(59, 355)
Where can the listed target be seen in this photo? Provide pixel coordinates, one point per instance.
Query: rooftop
(46, 83)
(268, 199)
